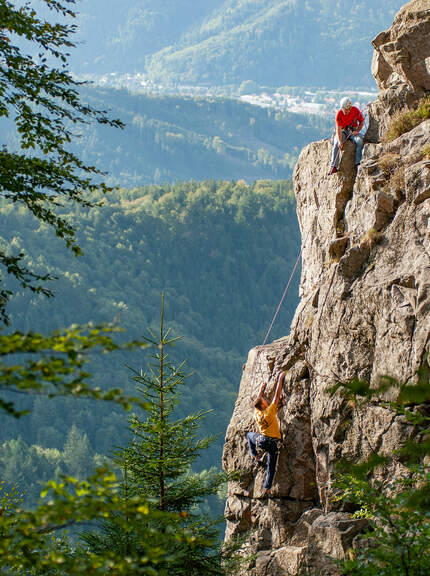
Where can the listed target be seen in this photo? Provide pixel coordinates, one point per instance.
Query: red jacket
(352, 119)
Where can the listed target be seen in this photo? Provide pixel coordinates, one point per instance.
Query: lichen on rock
(364, 312)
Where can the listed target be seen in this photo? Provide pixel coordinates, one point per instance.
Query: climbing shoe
(332, 170)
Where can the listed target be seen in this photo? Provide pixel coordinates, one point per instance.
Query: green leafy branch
(53, 365)
(397, 508)
(44, 100)
(30, 540)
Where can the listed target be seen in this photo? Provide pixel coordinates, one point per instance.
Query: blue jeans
(269, 445)
(335, 153)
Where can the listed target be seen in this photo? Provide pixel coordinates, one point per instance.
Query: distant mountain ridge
(171, 138)
(272, 42)
(121, 35)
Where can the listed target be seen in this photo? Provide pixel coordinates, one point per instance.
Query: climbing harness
(339, 150)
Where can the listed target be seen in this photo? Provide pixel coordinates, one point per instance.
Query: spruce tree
(77, 453)
(156, 465)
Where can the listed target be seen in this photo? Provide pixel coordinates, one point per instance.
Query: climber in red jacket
(349, 122)
(269, 434)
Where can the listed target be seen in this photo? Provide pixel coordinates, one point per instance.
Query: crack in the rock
(412, 340)
(285, 499)
(274, 497)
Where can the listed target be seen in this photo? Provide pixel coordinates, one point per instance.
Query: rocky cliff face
(364, 312)
(401, 64)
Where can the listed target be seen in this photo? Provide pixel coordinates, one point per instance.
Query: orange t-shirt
(267, 421)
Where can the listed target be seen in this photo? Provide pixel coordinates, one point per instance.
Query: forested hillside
(221, 251)
(275, 42)
(119, 35)
(169, 138)
(272, 42)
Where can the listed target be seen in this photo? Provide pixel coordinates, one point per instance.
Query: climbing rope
(256, 366)
(366, 116)
(283, 295)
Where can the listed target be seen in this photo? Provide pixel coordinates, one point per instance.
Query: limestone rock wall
(401, 64)
(364, 312)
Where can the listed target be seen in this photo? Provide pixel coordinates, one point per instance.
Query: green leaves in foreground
(34, 542)
(156, 464)
(397, 542)
(397, 506)
(53, 365)
(143, 519)
(42, 98)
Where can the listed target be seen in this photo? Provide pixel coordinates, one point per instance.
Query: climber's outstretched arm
(278, 391)
(261, 391)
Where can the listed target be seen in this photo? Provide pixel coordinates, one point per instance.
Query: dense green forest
(279, 42)
(272, 42)
(221, 251)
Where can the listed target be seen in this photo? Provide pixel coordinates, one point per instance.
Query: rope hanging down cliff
(276, 314)
(363, 131)
(284, 294)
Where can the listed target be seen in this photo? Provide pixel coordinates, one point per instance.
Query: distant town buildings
(296, 100)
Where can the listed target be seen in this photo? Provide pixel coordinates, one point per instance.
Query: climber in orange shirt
(269, 434)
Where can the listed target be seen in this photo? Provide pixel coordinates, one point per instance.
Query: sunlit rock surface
(364, 312)
(401, 64)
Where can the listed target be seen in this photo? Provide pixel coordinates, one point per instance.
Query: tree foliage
(38, 92)
(145, 523)
(54, 365)
(222, 251)
(27, 468)
(156, 464)
(38, 176)
(398, 509)
(34, 542)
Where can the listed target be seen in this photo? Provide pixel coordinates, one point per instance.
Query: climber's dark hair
(258, 403)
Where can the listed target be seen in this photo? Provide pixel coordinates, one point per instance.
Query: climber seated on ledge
(269, 434)
(349, 122)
